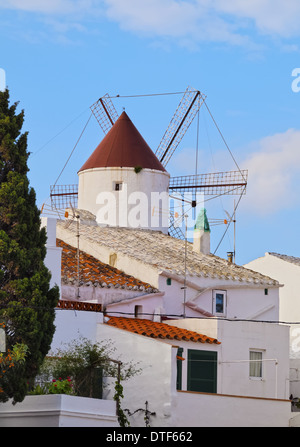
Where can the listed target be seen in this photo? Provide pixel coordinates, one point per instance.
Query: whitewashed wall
(243, 300)
(53, 254)
(156, 383)
(237, 339)
(73, 324)
(123, 208)
(58, 410)
(288, 275)
(157, 380)
(209, 410)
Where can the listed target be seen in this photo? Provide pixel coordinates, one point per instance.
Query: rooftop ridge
(292, 259)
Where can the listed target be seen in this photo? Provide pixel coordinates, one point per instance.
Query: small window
(255, 364)
(118, 186)
(219, 302)
(138, 310)
(169, 281)
(112, 259)
(266, 291)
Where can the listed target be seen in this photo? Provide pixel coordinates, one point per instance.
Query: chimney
(201, 242)
(230, 256)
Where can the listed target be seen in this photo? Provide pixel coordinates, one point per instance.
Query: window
(138, 311)
(118, 186)
(169, 281)
(112, 259)
(255, 364)
(202, 371)
(219, 302)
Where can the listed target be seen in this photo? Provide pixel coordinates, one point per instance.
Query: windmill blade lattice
(229, 183)
(105, 113)
(183, 117)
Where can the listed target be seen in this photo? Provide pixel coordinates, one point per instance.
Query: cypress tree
(27, 303)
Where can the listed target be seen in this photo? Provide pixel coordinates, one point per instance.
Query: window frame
(216, 292)
(118, 186)
(251, 365)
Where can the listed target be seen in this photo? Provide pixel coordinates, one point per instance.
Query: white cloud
(194, 20)
(270, 16)
(184, 21)
(212, 20)
(274, 171)
(50, 6)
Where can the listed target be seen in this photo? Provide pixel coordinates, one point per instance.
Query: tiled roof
(163, 252)
(153, 329)
(79, 305)
(291, 259)
(94, 272)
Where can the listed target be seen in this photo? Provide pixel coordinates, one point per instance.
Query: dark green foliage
(26, 301)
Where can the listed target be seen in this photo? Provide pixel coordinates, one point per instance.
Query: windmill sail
(183, 117)
(229, 183)
(105, 113)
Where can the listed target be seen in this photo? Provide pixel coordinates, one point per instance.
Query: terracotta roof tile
(153, 329)
(93, 271)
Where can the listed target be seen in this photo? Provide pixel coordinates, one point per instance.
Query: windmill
(212, 184)
(209, 184)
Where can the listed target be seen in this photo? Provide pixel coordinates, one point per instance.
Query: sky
(58, 57)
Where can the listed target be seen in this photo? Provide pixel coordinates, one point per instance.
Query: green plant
(147, 413)
(38, 390)
(137, 169)
(122, 418)
(86, 363)
(61, 386)
(11, 359)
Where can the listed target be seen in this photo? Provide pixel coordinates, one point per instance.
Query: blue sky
(60, 56)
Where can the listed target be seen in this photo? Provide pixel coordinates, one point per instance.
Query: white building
(189, 379)
(193, 285)
(286, 269)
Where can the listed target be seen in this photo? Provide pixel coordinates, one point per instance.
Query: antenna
(185, 259)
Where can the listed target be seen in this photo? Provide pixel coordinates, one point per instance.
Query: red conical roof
(123, 146)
